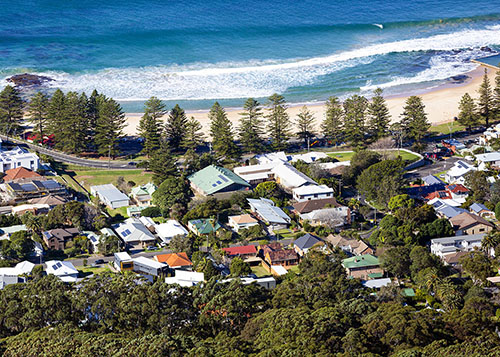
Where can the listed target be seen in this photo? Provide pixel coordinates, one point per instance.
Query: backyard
(347, 155)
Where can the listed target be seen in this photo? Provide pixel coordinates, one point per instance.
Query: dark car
(99, 261)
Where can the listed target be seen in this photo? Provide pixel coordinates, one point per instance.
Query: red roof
(19, 173)
(458, 188)
(242, 250)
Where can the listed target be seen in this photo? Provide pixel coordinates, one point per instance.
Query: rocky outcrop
(28, 80)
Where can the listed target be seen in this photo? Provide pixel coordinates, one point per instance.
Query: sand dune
(441, 105)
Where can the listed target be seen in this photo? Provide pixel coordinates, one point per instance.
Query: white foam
(262, 78)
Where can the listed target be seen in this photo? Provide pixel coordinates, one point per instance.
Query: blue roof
(306, 241)
(432, 180)
(478, 207)
(422, 191)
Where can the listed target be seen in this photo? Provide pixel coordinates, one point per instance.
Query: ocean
(194, 52)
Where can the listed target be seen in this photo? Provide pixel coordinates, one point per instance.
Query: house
(487, 160)
(272, 157)
(444, 209)
(278, 270)
(6, 232)
(215, 179)
(123, 261)
(107, 232)
(135, 211)
(58, 238)
(134, 233)
(335, 168)
(431, 180)
(175, 260)
(267, 282)
(203, 226)
(110, 195)
(313, 205)
(64, 270)
(465, 243)
(332, 217)
(481, 210)
(143, 194)
(303, 244)
(148, 223)
(255, 174)
(468, 223)
(186, 278)
(50, 200)
(245, 251)
(377, 283)
(168, 230)
(18, 157)
(312, 192)
(489, 134)
(31, 207)
(453, 259)
(364, 267)
(457, 173)
(26, 190)
(17, 274)
(454, 145)
(352, 246)
(20, 173)
(94, 240)
(285, 257)
(289, 177)
(146, 266)
(269, 213)
(458, 192)
(242, 221)
(310, 157)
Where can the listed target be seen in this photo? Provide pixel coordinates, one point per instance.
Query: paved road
(433, 169)
(70, 159)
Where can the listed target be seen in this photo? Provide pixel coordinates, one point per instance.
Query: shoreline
(441, 104)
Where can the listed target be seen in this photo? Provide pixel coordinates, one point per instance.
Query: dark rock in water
(459, 79)
(28, 80)
(486, 49)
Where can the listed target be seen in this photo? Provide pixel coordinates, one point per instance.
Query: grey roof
(431, 180)
(268, 211)
(478, 207)
(306, 241)
(110, 192)
(467, 238)
(447, 210)
(132, 230)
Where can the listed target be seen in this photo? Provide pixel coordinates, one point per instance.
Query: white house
(267, 282)
(18, 157)
(134, 233)
(489, 134)
(488, 159)
(269, 213)
(168, 230)
(312, 192)
(309, 157)
(289, 177)
(15, 274)
(148, 266)
(64, 270)
(255, 174)
(242, 221)
(333, 217)
(143, 194)
(186, 278)
(272, 157)
(443, 246)
(457, 173)
(110, 195)
(123, 261)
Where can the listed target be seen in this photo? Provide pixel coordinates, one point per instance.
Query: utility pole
(109, 156)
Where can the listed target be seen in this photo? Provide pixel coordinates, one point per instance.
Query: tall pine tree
(109, 127)
(379, 117)
(193, 136)
(221, 131)
(485, 103)
(278, 122)
(332, 126)
(355, 120)
(251, 126)
(56, 114)
(175, 127)
(468, 116)
(11, 110)
(496, 96)
(149, 125)
(414, 122)
(162, 164)
(71, 133)
(37, 112)
(305, 123)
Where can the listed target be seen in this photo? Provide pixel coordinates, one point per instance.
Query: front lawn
(260, 271)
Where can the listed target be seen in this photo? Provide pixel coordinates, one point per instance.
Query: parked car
(99, 261)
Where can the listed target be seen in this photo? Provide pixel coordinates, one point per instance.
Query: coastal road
(433, 169)
(70, 159)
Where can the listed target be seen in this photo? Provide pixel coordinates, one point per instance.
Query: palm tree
(449, 295)
(490, 241)
(432, 281)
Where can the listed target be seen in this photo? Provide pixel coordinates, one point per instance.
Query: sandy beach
(441, 104)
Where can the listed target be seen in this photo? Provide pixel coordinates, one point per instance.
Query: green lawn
(88, 270)
(116, 211)
(341, 156)
(260, 271)
(445, 128)
(287, 233)
(89, 178)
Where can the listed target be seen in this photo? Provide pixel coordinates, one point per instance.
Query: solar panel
(214, 185)
(223, 178)
(51, 184)
(126, 232)
(219, 183)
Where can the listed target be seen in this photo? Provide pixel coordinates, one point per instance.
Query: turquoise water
(491, 60)
(195, 52)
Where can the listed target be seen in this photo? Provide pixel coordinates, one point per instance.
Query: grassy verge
(88, 270)
(260, 271)
(445, 128)
(341, 156)
(117, 211)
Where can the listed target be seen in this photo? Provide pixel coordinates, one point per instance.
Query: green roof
(212, 179)
(147, 189)
(204, 226)
(360, 261)
(408, 292)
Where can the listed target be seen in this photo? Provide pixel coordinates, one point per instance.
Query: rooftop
(242, 250)
(174, 259)
(110, 192)
(309, 206)
(291, 177)
(213, 178)
(19, 173)
(452, 240)
(312, 189)
(268, 211)
(306, 241)
(466, 219)
(243, 218)
(361, 261)
(205, 225)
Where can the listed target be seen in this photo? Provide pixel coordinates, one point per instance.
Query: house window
(315, 195)
(481, 229)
